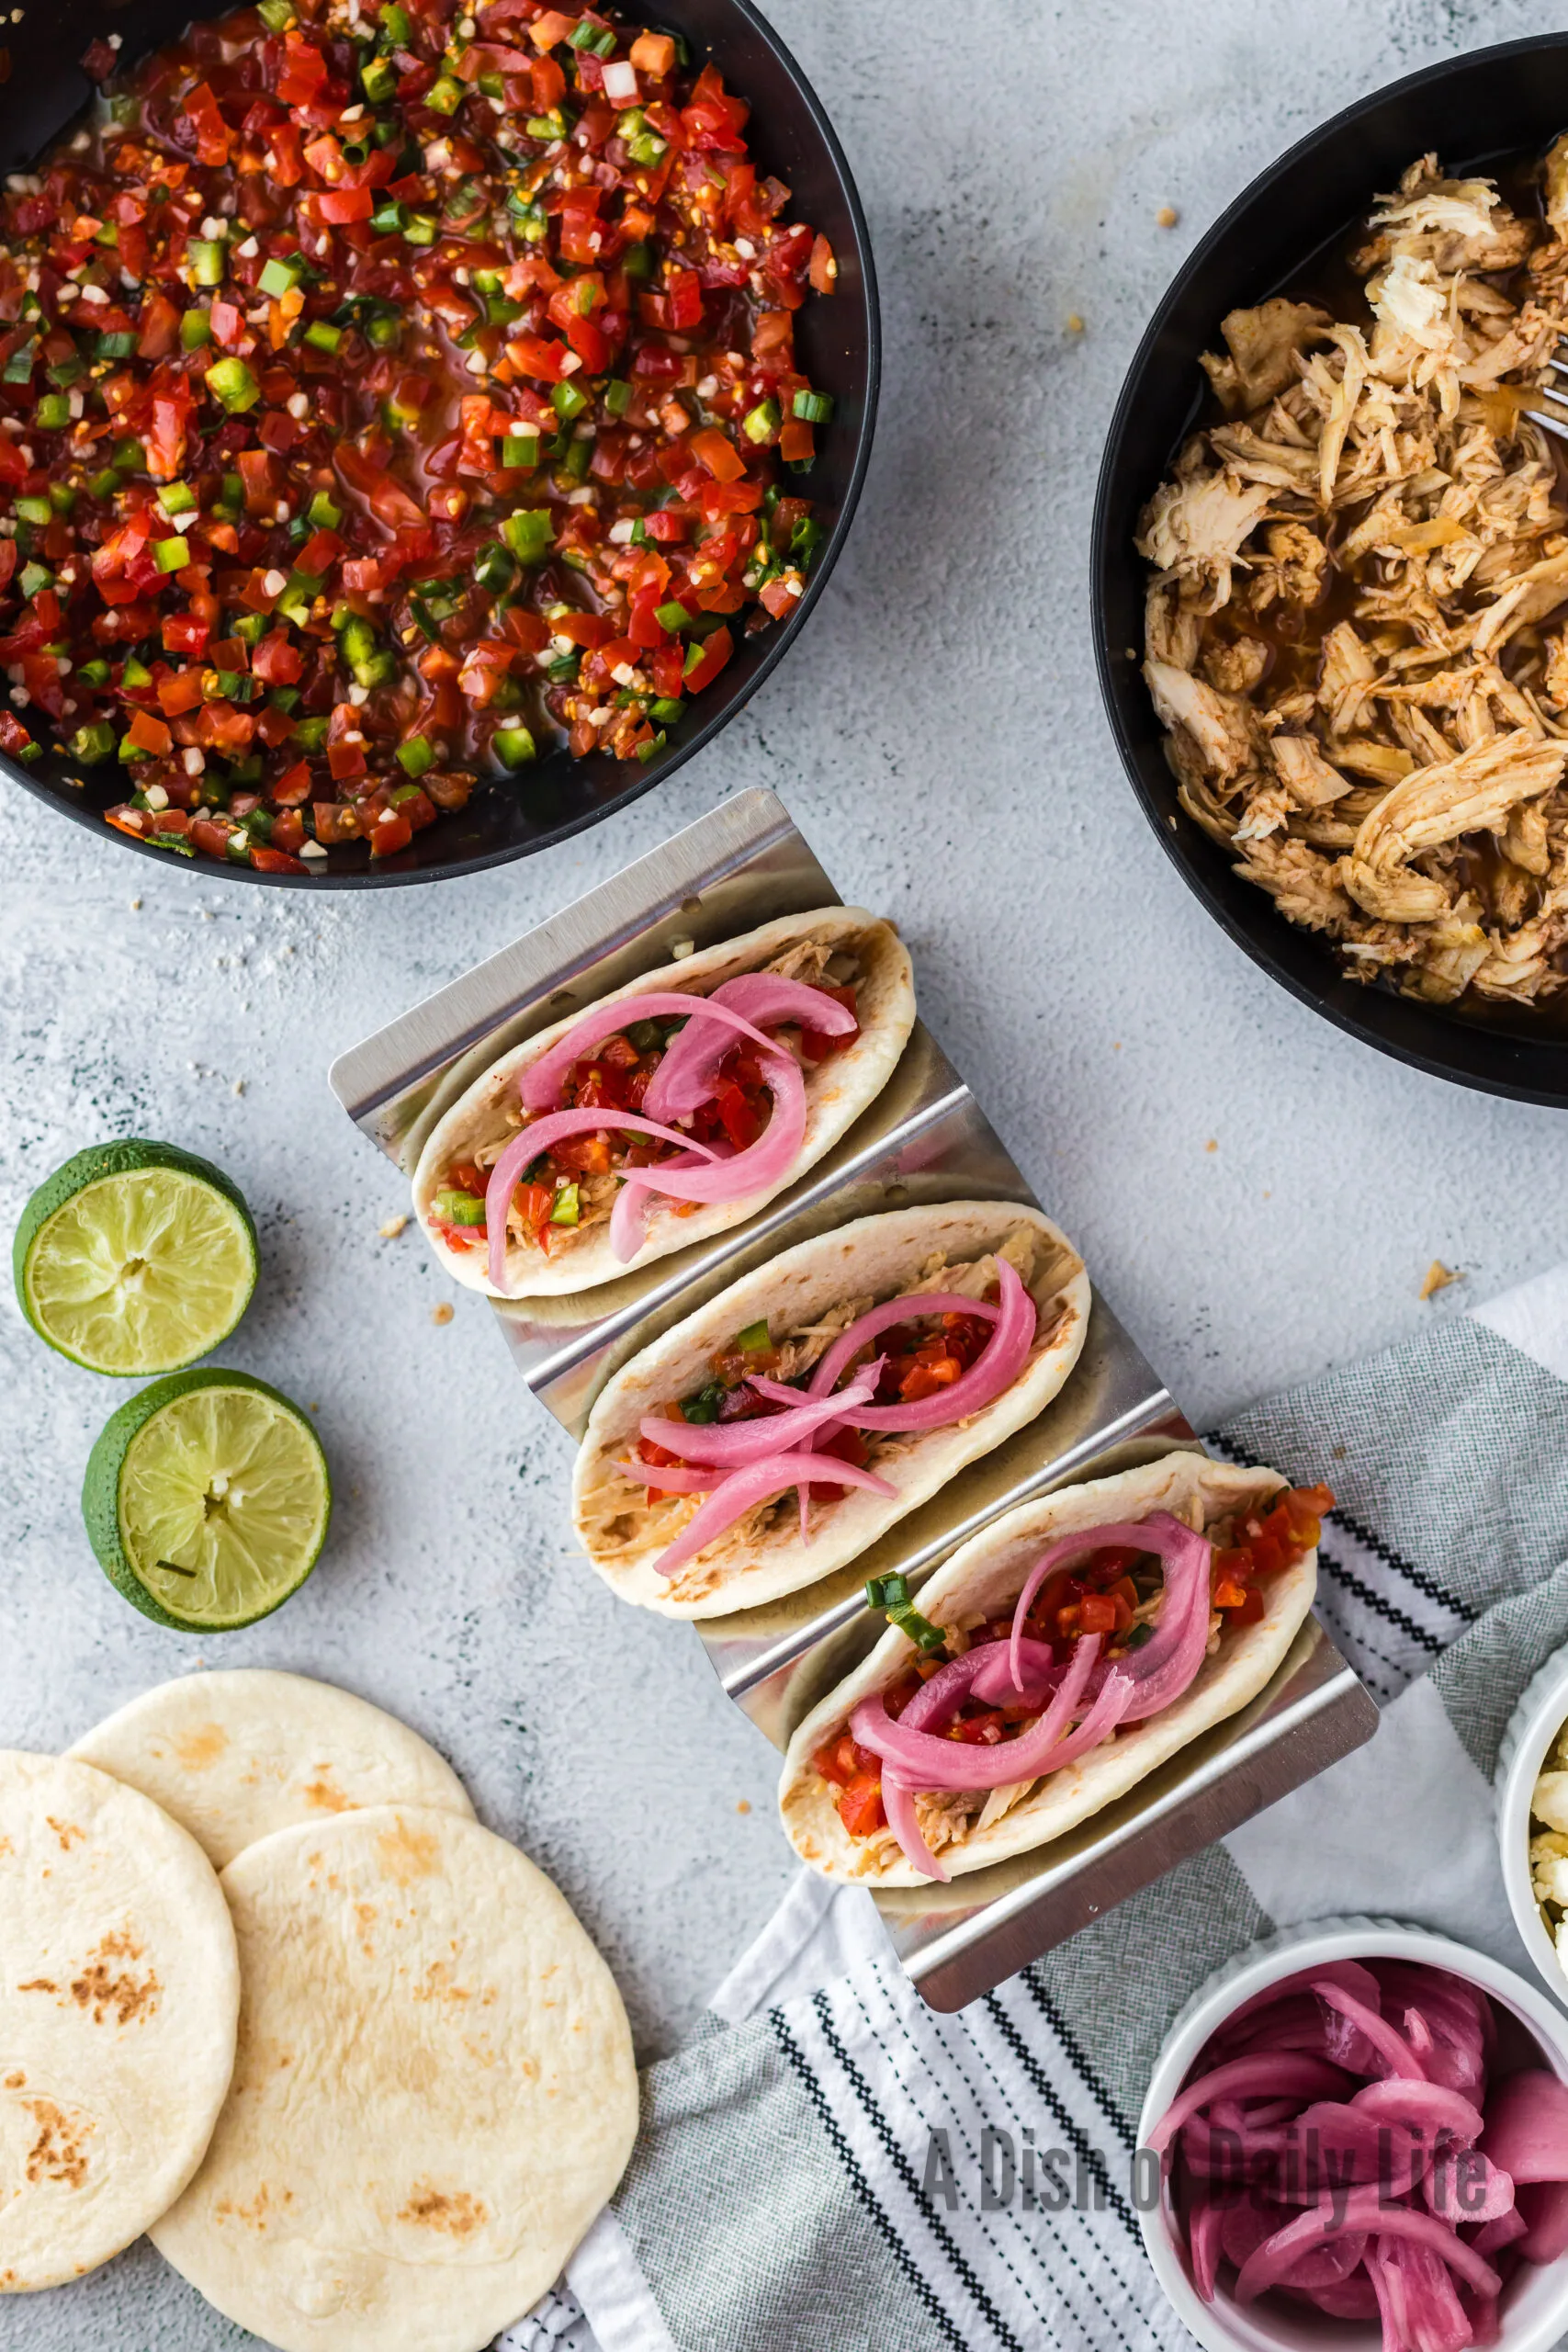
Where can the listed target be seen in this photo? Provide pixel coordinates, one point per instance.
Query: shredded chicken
(1357, 626)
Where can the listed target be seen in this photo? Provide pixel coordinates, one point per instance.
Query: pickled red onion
(994, 1369)
(765, 1162)
(1264, 2076)
(539, 1137)
(1364, 2210)
(543, 1080)
(729, 1445)
(774, 1475)
(1175, 1645)
(927, 1762)
(687, 1076)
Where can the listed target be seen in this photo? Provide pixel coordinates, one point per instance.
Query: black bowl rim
(1547, 1061)
(369, 878)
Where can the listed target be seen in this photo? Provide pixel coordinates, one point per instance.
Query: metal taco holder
(925, 1139)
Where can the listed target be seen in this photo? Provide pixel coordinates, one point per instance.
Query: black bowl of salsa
(1288, 232)
(802, 441)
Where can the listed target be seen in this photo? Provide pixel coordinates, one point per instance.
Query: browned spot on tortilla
(15, 2082)
(323, 1796)
(38, 1984)
(121, 1994)
(65, 1831)
(456, 2216)
(6, 1847)
(59, 2153)
(201, 1746)
(406, 1853)
(438, 1985)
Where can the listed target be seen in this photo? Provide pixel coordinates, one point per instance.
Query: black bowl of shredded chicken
(1332, 571)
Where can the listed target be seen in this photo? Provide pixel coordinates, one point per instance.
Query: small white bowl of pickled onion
(1532, 1731)
(1532, 2033)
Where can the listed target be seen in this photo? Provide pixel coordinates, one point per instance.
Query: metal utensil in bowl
(1474, 112)
(839, 343)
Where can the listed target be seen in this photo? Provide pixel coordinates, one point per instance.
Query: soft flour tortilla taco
(1154, 1605)
(793, 1031)
(861, 1370)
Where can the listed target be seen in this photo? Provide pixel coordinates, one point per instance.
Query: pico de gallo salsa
(387, 393)
(574, 1184)
(1115, 1592)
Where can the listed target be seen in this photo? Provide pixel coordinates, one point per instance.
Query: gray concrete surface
(1259, 1195)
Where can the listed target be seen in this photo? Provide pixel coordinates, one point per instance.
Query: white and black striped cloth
(809, 2173)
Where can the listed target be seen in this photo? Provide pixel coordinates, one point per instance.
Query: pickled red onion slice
(1362, 2209)
(1167, 1663)
(688, 1075)
(757, 1482)
(543, 1080)
(898, 1806)
(539, 1137)
(765, 1162)
(994, 1370)
(1527, 2126)
(729, 1445)
(927, 1762)
(1287, 2074)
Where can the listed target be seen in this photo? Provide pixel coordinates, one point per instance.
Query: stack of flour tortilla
(269, 1993)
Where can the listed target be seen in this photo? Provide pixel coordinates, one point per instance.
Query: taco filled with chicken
(774, 1435)
(1051, 1663)
(670, 1110)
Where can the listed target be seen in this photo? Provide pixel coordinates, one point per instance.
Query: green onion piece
(813, 408)
(533, 221)
(206, 258)
(65, 372)
(195, 328)
(529, 533)
(461, 1208)
(177, 498)
(423, 228)
(128, 458)
(567, 401)
(389, 219)
(604, 46)
(646, 148)
(672, 615)
(565, 1210)
(250, 627)
(104, 484)
(171, 555)
(805, 537)
(521, 450)
(285, 699)
(665, 711)
(445, 95)
(232, 494)
(95, 673)
(311, 733)
(53, 413)
(232, 383)
(494, 568)
(62, 497)
(755, 1338)
(93, 744)
(583, 35)
(323, 512)
(701, 1409)
(763, 421)
(113, 346)
(19, 368)
(515, 747)
(281, 277)
(648, 1037)
(650, 749)
(1139, 1634)
(617, 396)
(226, 684)
(637, 261)
(415, 755)
(34, 510)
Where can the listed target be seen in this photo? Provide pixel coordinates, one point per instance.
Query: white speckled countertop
(1259, 1195)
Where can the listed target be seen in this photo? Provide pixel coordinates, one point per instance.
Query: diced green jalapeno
(672, 615)
(34, 510)
(207, 257)
(195, 328)
(762, 423)
(378, 79)
(755, 1338)
(232, 383)
(177, 498)
(421, 228)
(665, 711)
(514, 746)
(415, 756)
(445, 95)
(281, 277)
(311, 733)
(276, 14)
(93, 744)
(53, 413)
(529, 533)
(495, 567)
(324, 512)
(171, 555)
(461, 1208)
(617, 396)
(567, 1209)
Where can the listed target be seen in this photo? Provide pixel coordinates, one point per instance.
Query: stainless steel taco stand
(924, 1139)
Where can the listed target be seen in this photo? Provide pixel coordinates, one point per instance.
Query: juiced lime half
(207, 1499)
(135, 1257)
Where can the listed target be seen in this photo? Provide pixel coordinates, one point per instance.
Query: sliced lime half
(207, 1499)
(135, 1257)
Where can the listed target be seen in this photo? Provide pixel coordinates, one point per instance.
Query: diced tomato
(181, 692)
(337, 205)
(146, 733)
(714, 652)
(860, 1806)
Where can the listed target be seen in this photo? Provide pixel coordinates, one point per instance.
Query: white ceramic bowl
(1533, 1726)
(1535, 2305)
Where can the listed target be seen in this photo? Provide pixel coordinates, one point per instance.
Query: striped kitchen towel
(831, 2167)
